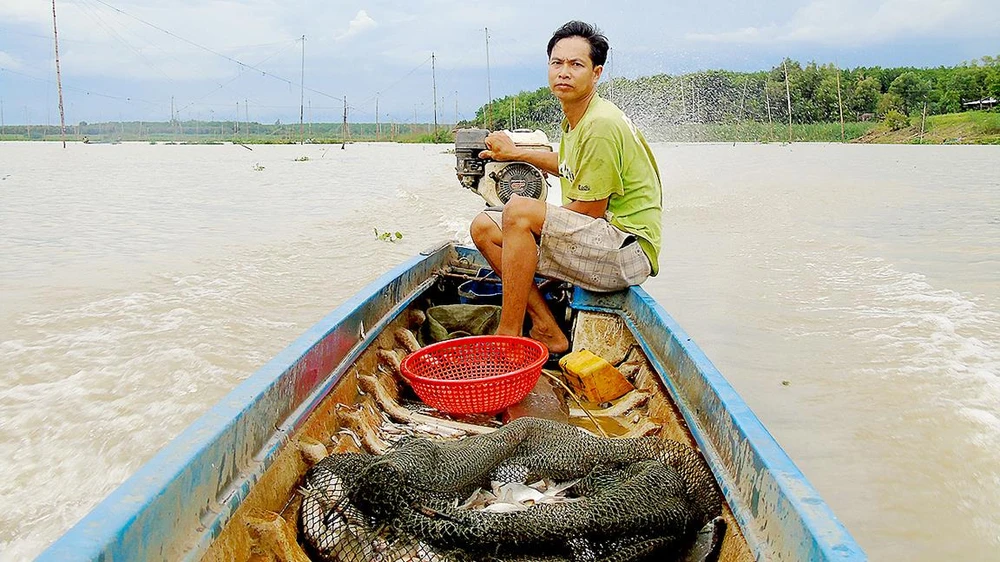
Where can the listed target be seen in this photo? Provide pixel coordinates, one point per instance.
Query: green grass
(751, 131)
(968, 127)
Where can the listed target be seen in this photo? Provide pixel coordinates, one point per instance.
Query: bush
(987, 123)
(441, 136)
(895, 120)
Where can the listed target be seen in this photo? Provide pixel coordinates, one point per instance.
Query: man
(606, 235)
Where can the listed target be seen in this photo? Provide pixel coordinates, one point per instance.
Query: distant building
(987, 103)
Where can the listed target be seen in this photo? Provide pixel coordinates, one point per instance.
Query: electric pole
(302, 91)
(343, 140)
(62, 114)
(489, 92)
(435, 92)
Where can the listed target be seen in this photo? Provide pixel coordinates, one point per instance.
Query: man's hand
(500, 147)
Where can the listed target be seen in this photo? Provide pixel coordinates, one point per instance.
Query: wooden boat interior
(370, 404)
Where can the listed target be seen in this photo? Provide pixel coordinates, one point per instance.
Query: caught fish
(406, 339)
(517, 493)
(477, 501)
(502, 507)
(439, 431)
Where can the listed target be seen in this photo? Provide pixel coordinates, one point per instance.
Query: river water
(850, 293)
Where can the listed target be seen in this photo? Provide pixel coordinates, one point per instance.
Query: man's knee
(483, 229)
(524, 212)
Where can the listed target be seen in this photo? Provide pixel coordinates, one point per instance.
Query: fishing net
(624, 499)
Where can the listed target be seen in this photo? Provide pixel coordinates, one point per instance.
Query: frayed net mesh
(627, 499)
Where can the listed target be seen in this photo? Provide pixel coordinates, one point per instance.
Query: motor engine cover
(496, 181)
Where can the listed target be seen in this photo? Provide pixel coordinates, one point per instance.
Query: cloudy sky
(133, 59)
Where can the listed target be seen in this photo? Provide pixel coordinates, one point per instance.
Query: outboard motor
(497, 181)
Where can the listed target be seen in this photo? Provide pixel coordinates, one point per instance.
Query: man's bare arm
(594, 209)
(502, 149)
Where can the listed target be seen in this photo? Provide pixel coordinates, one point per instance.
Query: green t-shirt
(605, 156)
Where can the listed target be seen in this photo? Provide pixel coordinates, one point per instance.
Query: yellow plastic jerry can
(593, 377)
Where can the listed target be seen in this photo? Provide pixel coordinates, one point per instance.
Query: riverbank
(970, 127)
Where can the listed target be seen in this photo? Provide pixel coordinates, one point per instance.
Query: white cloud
(26, 12)
(745, 35)
(163, 41)
(355, 49)
(862, 22)
(8, 61)
(362, 22)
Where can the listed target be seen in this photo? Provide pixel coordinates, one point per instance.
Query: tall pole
(840, 104)
(788, 96)
(767, 102)
(489, 91)
(302, 91)
(3, 126)
(684, 103)
(611, 78)
(55, 36)
(435, 91)
(743, 98)
(923, 120)
(378, 126)
(343, 134)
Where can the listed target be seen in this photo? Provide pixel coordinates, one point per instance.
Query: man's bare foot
(556, 341)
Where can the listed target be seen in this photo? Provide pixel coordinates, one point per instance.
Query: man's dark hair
(598, 42)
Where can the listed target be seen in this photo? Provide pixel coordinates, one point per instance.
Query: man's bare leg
(518, 295)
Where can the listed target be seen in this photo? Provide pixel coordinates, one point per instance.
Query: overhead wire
(89, 8)
(392, 85)
(4, 32)
(77, 89)
(96, 16)
(218, 54)
(240, 75)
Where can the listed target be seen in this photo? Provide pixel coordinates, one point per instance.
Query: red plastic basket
(475, 374)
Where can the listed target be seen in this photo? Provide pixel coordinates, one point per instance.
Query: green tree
(864, 96)
(966, 83)
(895, 120)
(889, 101)
(911, 89)
(827, 100)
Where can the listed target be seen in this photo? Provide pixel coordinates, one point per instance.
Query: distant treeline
(817, 94)
(211, 131)
(707, 105)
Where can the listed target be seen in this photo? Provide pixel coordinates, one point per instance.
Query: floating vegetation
(302, 159)
(257, 167)
(388, 236)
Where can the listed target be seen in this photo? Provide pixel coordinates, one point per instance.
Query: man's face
(572, 74)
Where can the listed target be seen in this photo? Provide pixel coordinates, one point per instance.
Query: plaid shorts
(588, 252)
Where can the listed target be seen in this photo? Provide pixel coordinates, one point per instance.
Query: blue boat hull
(177, 504)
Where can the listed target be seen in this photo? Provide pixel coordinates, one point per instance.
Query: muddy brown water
(851, 295)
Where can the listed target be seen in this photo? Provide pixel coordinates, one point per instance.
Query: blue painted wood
(780, 513)
(178, 502)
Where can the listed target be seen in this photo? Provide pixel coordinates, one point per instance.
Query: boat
(240, 466)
